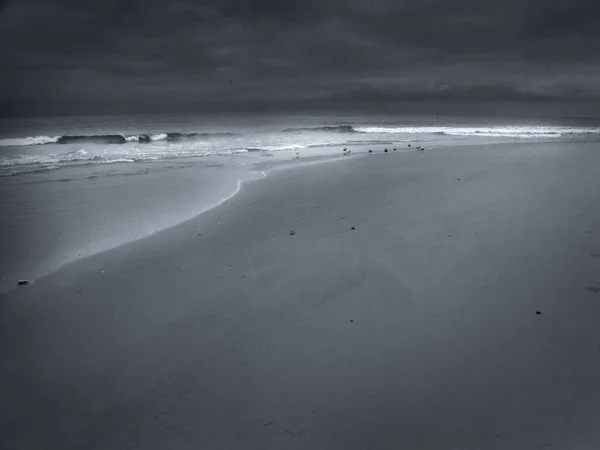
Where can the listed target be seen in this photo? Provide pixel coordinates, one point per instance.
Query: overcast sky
(69, 56)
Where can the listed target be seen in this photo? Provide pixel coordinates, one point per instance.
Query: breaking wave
(338, 129)
(509, 132)
(36, 140)
(104, 139)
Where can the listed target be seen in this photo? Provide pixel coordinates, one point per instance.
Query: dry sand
(415, 330)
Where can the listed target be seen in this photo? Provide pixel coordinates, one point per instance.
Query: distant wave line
(104, 138)
(516, 131)
(338, 129)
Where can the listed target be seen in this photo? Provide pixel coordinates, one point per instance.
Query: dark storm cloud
(558, 18)
(182, 52)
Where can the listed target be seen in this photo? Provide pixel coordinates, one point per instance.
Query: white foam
(74, 155)
(514, 131)
(158, 137)
(277, 148)
(118, 160)
(20, 142)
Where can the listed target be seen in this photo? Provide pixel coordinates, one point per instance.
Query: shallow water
(48, 220)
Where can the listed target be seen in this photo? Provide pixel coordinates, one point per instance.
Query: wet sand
(49, 219)
(419, 328)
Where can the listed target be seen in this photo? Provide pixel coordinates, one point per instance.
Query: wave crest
(514, 131)
(35, 140)
(337, 128)
(105, 138)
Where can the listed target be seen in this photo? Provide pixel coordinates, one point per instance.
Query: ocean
(34, 145)
(73, 187)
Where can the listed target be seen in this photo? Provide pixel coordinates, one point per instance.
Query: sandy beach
(403, 300)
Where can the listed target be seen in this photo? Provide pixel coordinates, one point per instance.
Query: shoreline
(264, 167)
(83, 212)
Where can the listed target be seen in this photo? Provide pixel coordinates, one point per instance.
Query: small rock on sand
(386, 150)
(292, 233)
(538, 313)
(354, 228)
(370, 151)
(22, 282)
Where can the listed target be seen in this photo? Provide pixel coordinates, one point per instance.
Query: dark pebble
(79, 290)
(292, 233)
(459, 179)
(352, 321)
(385, 150)
(394, 149)
(538, 313)
(370, 151)
(22, 282)
(354, 228)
